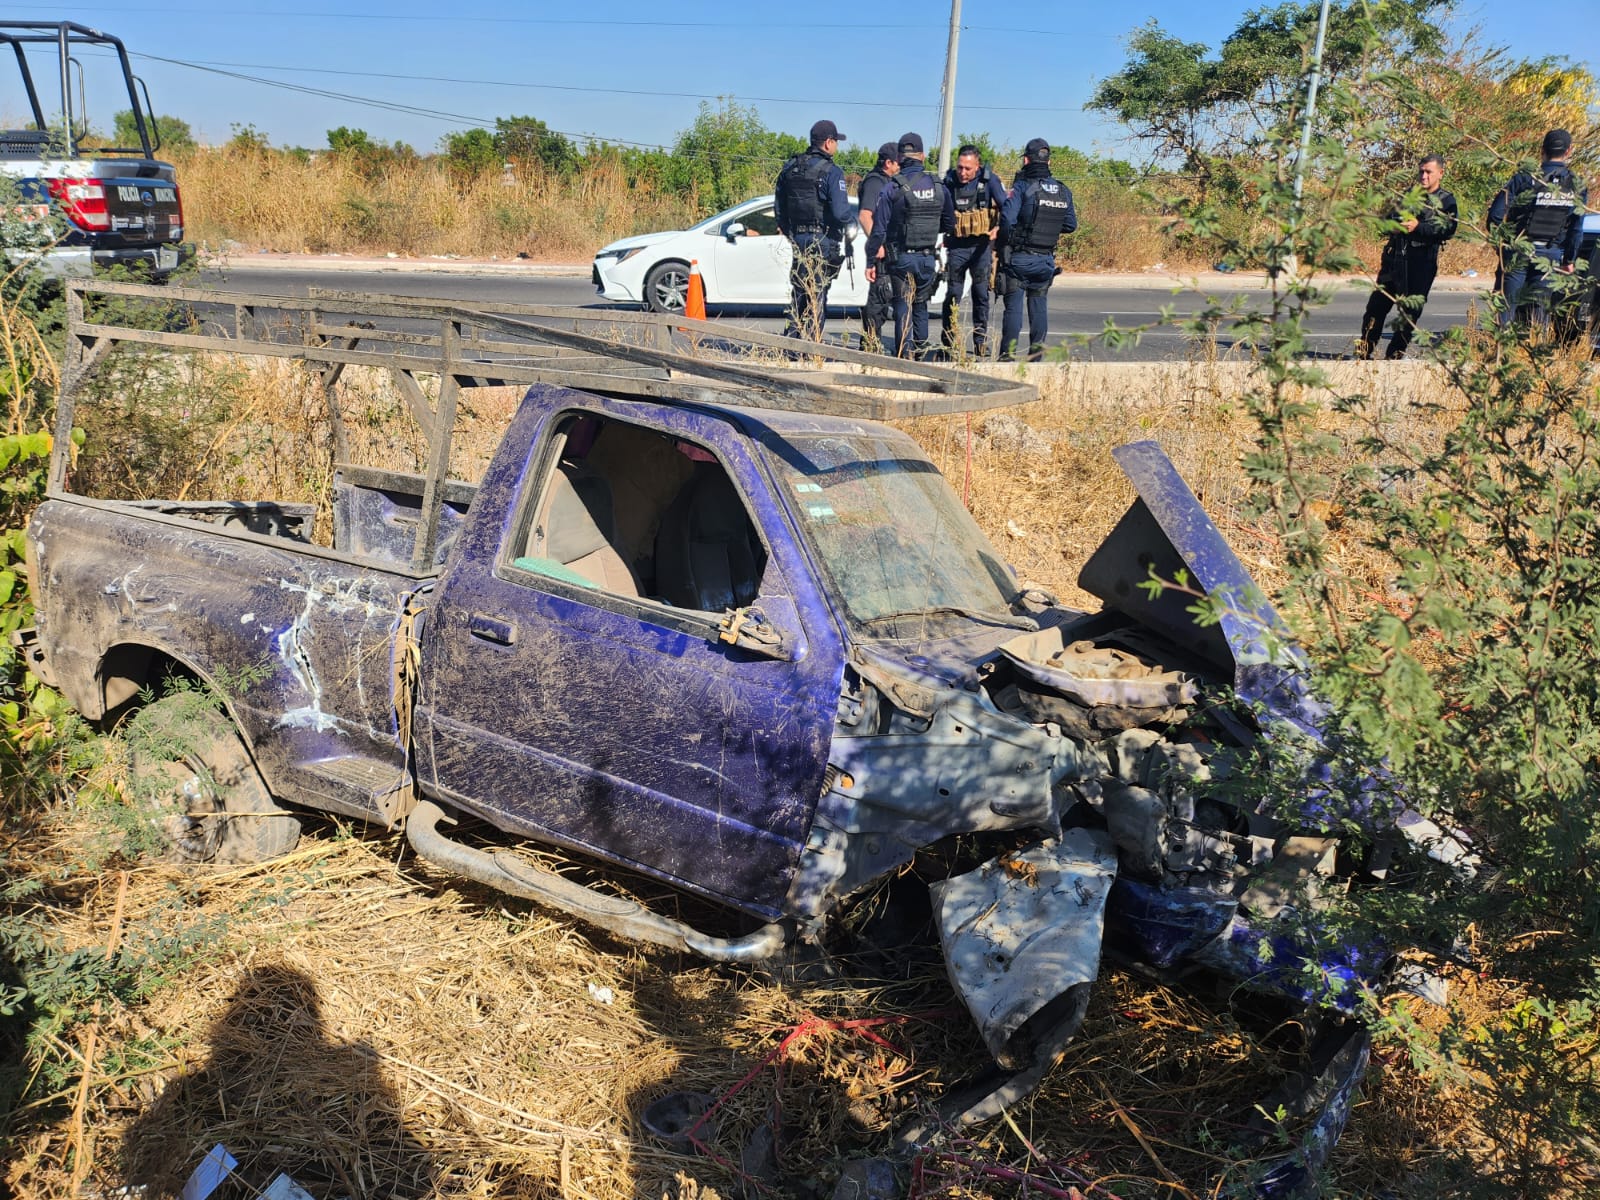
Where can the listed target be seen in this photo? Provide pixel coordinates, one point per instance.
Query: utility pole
(947, 119)
(1291, 264)
(1311, 104)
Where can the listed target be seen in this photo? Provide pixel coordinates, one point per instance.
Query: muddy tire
(212, 804)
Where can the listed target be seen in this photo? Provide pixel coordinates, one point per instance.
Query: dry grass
(279, 202)
(1042, 483)
(378, 1030)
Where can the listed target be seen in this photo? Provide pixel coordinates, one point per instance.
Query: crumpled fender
(1022, 930)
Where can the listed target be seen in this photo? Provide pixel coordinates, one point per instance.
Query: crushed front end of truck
(1079, 787)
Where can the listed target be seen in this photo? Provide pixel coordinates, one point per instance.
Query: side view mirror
(750, 629)
(733, 230)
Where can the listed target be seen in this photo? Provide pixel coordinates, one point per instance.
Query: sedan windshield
(906, 559)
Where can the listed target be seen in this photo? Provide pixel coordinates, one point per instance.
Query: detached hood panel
(1168, 532)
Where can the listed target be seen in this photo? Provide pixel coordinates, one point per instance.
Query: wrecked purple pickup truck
(749, 648)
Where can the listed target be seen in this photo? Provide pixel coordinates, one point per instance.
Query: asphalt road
(1075, 309)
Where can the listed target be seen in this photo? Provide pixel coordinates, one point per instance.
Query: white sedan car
(742, 257)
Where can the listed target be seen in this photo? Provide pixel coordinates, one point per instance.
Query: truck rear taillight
(83, 202)
(177, 229)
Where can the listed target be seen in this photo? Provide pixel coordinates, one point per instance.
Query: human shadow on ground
(281, 1096)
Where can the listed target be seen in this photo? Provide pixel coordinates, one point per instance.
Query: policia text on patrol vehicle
(813, 211)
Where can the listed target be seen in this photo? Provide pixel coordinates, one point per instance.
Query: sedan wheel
(666, 287)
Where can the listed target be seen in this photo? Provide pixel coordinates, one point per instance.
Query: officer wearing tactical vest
(813, 209)
(977, 196)
(1410, 262)
(880, 292)
(1037, 211)
(1544, 208)
(906, 223)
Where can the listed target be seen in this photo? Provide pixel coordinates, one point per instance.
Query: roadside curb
(400, 266)
(1168, 281)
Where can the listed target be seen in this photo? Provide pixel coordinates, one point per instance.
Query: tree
(1479, 107)
(471, 152)
(368, 157)
(530, 141)
(1210, 113)
(247, 139)
(174, 132)
(344, 140)
(728, 155)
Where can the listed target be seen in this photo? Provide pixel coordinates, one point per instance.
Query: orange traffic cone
(694, 302)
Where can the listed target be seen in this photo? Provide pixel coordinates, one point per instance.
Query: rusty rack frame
(619, 354)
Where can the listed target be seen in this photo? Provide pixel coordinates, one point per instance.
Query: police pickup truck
(714, 625)
(84, 205)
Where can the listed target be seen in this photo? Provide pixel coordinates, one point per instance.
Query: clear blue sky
(632, 71)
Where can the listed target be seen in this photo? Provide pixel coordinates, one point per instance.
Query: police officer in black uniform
(880, 292)
(977, 196)
(1037, 211)
(906, 223)
(1410, 262)
(813, 209)
(1544, 208)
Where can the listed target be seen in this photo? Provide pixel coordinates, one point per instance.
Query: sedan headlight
(617, 255)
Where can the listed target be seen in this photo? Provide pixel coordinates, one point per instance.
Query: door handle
(492, 629)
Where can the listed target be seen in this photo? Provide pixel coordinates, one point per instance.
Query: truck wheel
(666, 287)
(213, 805)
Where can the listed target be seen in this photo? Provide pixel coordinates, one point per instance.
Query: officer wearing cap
(880, 292)
(977, 196)
(813, 209)
(1544, 210)
(906, 223)
(1037, 211)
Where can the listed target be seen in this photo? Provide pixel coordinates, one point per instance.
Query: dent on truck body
(300, 646)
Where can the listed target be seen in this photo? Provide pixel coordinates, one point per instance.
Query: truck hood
(1167, 535)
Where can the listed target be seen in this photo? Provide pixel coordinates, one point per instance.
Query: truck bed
(299, 639)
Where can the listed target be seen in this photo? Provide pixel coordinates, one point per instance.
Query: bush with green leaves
(1467, 686)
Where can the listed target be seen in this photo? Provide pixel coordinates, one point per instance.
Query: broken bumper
(1020, 932)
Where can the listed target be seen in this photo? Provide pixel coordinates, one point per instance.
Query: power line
(570, 87)
(466, 121)
(482, 122)
(461, 120)
(843, 22)
(390, 17)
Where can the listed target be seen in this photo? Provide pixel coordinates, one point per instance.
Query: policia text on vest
(1037, 212)
(1544, 210)
(910, 215)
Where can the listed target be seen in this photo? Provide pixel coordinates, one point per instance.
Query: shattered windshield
(904, 556)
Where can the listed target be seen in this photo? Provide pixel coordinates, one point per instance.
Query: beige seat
(577, 529)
